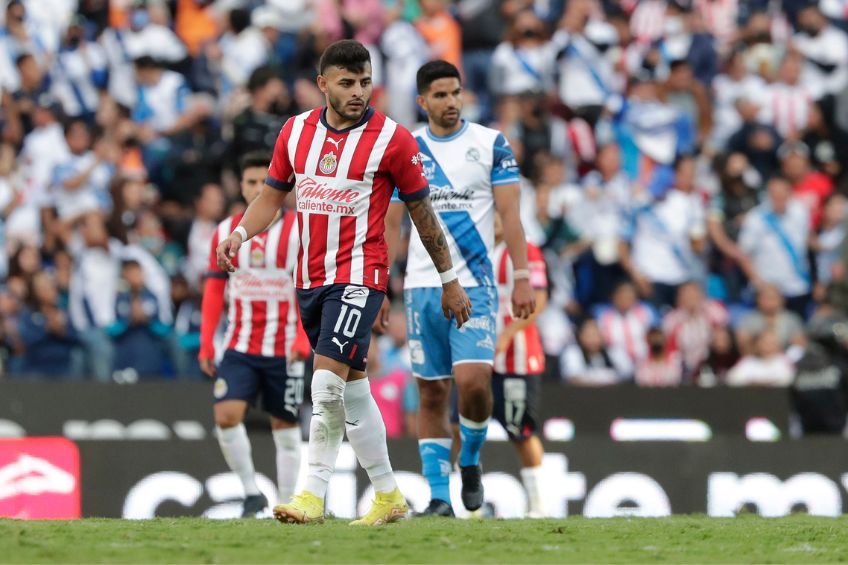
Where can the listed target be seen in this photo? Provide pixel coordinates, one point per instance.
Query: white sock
(326, 429)
(287, 441)
(367, 434)
(236, 448)
(532, 479)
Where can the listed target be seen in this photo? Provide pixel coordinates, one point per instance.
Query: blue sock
(436, 467)
(473, 436)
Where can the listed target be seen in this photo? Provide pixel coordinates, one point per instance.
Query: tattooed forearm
(430, 232)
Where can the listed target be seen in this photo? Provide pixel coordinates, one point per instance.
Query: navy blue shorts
(337, 319)
(242, 376)
(516, 404)
(516, 400)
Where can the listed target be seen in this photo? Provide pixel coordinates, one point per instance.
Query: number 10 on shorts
(348, 321)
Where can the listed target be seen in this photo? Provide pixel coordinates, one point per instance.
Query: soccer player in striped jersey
(519, 363)
(472, 172)
(264, 342)
(343, 161)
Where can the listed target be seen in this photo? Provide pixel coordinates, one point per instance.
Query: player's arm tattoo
(430, 232)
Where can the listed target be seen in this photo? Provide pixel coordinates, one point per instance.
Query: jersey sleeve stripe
(278, 184)
(413, 196)
(217, 275)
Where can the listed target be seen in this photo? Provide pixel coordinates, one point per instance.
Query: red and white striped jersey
(787, 108)
(690, 333)
(262, 317)
(344, 180)
(648, 20)
(525, 355)
(720, 17)
(627, 332)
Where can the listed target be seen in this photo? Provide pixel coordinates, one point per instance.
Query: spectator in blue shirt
(138, 334)
(46, 332)
(185, 341)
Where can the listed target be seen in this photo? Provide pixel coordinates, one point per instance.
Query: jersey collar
(365, 117)
(454, 135)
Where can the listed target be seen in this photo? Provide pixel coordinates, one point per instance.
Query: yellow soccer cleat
(387, 507)
(304, 508)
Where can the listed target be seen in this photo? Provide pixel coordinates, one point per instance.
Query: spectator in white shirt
(661, 247)
(143, 38)
(209, 208)
(590, 363)
(161, 100)
(766, 366)
(736, 83)
(773, 240)
(525, 61)
(81, 182)
(405, 52)
(826, 49)
(79, 73)
(146, 37)
(243, 49)
(94, 288)
(43, 149)
(595, 211)
(163, 109)
(588, 82)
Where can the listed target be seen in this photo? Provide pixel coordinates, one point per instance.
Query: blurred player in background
(519, 363)
(471, 171)
(343, 161)
(265, 345)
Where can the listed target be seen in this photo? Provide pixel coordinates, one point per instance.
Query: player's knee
(475, 388)
(327, 391)
(433, 395)
(227, 418)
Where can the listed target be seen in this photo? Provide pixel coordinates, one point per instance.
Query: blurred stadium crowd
(683, 161)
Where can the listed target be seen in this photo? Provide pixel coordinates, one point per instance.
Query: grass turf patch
(679, 539)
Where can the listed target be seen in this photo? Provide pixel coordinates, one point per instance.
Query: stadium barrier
(148, 450)
(182, 410)
(593, 478)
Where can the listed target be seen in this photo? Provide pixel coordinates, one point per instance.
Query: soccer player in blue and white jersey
(472, 171)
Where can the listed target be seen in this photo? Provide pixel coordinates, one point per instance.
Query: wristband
(242, 232)
(519, 274)
(448, 276)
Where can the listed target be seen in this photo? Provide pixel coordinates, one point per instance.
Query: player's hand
(455, 303)
(208, 367)
(523, 300)
(381, 324)
(226, 250)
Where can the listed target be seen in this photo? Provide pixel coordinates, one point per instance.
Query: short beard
(442, 122)
(338, 107)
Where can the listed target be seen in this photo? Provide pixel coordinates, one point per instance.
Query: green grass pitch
(684, 539)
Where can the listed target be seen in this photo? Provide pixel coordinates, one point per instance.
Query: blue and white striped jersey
(462, 170)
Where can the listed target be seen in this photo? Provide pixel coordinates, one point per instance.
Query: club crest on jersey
(257, 257)
(472, 155)
(328, 163)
